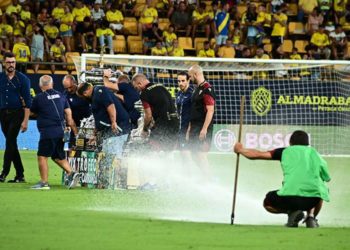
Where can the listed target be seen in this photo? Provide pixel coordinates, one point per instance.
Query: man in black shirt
(15, 102)
(159, 109)
(202, 113)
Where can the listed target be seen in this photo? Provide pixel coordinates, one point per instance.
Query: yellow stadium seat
(287, 46)
(199, 43)
(135, 44)
(300, 45)
(163, 23)
(69, 59)
(185, 43)
(119, 44)
(130, 25)
(296, 28)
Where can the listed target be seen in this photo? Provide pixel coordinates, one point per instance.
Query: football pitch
(196, 216)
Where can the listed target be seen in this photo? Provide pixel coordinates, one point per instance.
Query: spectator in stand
(115, 18)
(246, 53)
(260, 54)
(43, 17)
(159, 50)
(248, 21)
(151, 37)
(295, 55)
(97, 13)
(87, 36)
(181, 18)
(15, 7)
(206, 51)
(57, 54)
(103, 34)
(305, 7)
(236, 35)
(339, 7)
(59, 11)
(51, 31)
(148, 17)
(22, 53)
(17, 24)
(320, 41)
(175, 50)
(279, 22)
(339, 43)
(128, 6)
(37, 46)
(345, 20)
(169, 36)
(275, 4)
(200, 18)
(80, 11)
(222, 25)
(263, 21)
(227, 50)
(314, 21)
(330, 21)
(6, 33)
(25, 15)
(66, 31)
(325, 6)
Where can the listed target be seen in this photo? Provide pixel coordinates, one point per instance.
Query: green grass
(68, 219)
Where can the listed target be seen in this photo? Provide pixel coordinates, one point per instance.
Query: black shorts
(53, 148)
(199, 145)
(277, 40)
(290, 203)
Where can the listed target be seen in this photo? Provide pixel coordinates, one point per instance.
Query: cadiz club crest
(261, 101)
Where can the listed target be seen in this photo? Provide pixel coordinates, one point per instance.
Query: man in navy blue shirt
(125, 92)
(51, 108)
(80, 107)
(109, 114)
(15, 102)
(183, 103)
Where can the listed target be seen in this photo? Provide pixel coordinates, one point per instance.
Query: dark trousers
(11, 121)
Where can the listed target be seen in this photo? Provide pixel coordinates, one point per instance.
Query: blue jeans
(109, 39)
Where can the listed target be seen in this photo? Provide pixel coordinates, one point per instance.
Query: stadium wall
(283, 104)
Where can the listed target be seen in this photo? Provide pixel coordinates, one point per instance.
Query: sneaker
(41, 186)
(294, 217)
(2, 178)
(17, 180)
(73, 179)
(311, 222)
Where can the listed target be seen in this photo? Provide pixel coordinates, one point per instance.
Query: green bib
(305, 173)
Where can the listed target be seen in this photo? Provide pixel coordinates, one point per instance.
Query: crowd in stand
(45, 30)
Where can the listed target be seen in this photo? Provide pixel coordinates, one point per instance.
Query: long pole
(241, 116)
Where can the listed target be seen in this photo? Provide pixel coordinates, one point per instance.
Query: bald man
(80, 107)
(52, 109)
(158, 107)
(202, 113)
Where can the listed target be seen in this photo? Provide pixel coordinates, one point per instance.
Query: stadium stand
(130, 38)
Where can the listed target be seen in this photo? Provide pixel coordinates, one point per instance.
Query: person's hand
(114, 127)
(107, 73)
(237, 147)
(203, 134)
(24, 126)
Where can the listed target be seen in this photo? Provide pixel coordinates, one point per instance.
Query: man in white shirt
(339, 42)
